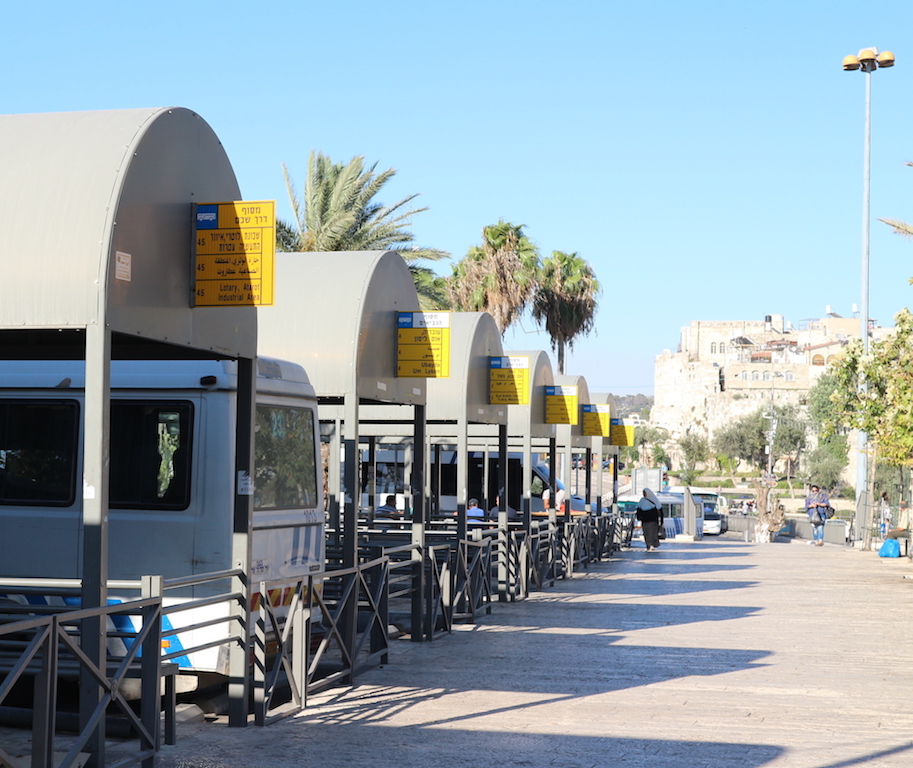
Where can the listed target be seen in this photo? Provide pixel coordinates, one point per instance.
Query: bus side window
(151, 454)
(38, 443)
(285, 458)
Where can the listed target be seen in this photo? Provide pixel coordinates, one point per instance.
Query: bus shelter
(336, 314)
(570, 436)
(519, 380)
(97, 256)
(603, 410)
(458, 402)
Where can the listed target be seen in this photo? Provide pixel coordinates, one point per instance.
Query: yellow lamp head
(850, 63)
(885, 59)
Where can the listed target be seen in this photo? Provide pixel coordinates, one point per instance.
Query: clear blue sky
(705, 157)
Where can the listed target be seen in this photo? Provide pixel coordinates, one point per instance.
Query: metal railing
(44, 645)
(473, 587)
(307, 634)
(439, 580)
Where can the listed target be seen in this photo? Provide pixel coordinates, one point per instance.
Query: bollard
(747, 536)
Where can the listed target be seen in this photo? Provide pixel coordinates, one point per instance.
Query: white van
(172, 476)
(715, 504)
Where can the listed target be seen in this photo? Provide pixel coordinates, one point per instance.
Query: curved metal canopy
(336, 314)
(572, 434)
(474, 339)
(97, 225)
(530, 419)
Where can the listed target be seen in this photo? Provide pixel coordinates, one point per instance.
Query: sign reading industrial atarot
(235, 253)
(508, 382)
(622, 434)
(561, 405)
(423, 345)
(596, 420)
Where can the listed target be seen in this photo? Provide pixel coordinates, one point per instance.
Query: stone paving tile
(715, 653)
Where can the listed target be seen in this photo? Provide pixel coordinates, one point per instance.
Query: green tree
(883, 405)
(874, 395)
(727, 464)
(650, 442)
(790, 438)
(825, 463)
(497, 277)
(694, 449)
(339, 212)
(744, 439)
(565, 301)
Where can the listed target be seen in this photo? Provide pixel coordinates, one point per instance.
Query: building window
(755, 376)
(713, 348)
(790, 376)
(766, 375)
(818, 360)
(722, 347)
(831, 358)
(744, 375)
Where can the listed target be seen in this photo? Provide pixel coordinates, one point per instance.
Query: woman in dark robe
(650, 514)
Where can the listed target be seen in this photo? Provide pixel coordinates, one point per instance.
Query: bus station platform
(717, 653)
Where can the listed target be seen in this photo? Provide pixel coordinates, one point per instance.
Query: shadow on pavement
(358, 745)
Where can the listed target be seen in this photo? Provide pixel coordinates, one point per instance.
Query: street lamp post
(771, 436)
(867, 61)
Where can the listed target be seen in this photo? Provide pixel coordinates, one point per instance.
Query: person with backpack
(817, 506)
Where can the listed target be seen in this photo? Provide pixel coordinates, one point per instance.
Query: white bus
(673, 512)
(389, 478)
(172, 477)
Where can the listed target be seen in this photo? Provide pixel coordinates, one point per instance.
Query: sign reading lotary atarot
(596, 420)
(235, 253)
(561, 405)
(423, 345)
(508, 382)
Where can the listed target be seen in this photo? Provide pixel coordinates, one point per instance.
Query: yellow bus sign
(596, 420)
(235, 253)
(423, 345)
(508, 381)
(561, 405)
(622, 434)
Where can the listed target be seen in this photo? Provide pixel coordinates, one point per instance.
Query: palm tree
(900, 227)
(566, 300)
(498, 277)
(339, 213)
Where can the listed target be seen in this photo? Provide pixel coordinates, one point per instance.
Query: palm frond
(899, 227)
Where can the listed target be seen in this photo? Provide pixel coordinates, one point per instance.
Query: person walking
(650, 514)
(816, 506)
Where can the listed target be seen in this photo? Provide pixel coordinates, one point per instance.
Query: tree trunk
(770, 521)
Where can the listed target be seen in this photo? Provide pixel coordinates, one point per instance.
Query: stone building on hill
(727, 369)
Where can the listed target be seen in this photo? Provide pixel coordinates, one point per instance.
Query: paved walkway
(716, 654)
